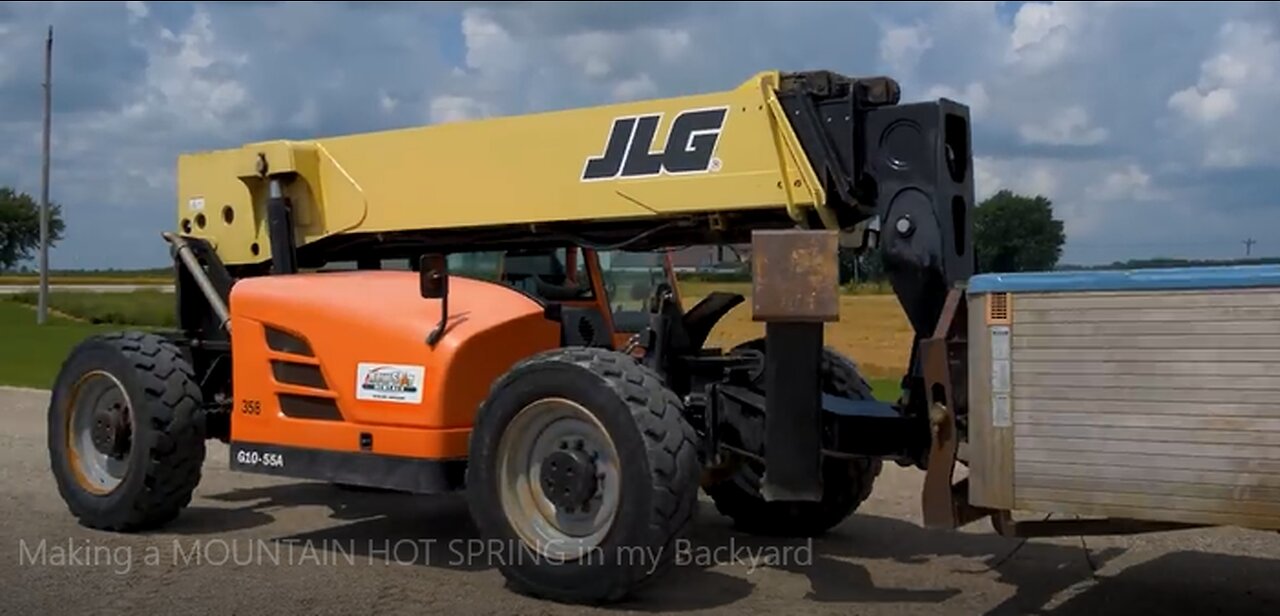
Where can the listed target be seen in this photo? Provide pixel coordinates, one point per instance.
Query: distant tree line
(1162, 262)
(20, 227)
(1011, 233)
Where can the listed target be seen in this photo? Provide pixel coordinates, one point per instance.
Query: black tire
(657, 470)
(847, 483)
(163, 465)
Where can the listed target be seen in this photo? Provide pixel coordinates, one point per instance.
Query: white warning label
(1001, 416)
(390, 382)
(1001, 377)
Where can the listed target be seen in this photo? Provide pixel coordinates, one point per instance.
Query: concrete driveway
(251, 545)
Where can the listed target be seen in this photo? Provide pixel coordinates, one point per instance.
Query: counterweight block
(795, 291)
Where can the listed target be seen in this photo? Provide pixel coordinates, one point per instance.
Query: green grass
(144, 308)
(25, 280)
(700, 288)
(885, 390)
(31, 354)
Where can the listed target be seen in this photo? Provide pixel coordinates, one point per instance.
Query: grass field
(81, 280)
(147, 308)
(872, 329)
(30, 355)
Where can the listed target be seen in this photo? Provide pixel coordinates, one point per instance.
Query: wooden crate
(1151, 394)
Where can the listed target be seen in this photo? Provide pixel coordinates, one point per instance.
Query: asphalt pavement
(255, 545)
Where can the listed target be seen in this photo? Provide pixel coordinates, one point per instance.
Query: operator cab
(601, 298)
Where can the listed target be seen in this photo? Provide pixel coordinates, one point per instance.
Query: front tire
(124, 440)
(583, 468)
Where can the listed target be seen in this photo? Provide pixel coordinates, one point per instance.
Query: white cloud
(307, 117)
(591, 52)
(490, 48)
(1238, 84)
(190, 75)
(1042, 33)
(986, 182)
(1018, 175)
(457, 108)
(902, 46)
(974, 95)
(1160, 106)
(1130, 183)
(386, 102)
(1205, 107)
(1070, 126)
(137, 10)
(1245, 64)
(671, 43)
(638, 87)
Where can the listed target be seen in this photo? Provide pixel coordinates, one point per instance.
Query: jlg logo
(691, 144)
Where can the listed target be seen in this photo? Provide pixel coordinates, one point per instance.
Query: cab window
(630, 279)
(556, 275)
(478, 265)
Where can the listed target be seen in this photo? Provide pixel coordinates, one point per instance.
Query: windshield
(629, 281)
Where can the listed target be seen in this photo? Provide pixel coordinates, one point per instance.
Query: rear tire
(607, 416)
(124, 437)
(846, 482)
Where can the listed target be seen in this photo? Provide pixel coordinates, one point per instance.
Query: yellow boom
(723, 152)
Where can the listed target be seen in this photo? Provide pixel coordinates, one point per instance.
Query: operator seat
(541, 275)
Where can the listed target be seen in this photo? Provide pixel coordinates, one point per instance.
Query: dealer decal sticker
(390, 382)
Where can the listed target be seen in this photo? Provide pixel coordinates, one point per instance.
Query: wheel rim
(99, 432)
(543, 454)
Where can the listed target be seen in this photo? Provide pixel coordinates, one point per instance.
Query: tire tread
(849, 482)
(175, 442)
(669, 441)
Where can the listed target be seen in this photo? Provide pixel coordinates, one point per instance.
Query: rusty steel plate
(795, 276)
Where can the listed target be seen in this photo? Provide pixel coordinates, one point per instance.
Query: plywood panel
(1208, 355)
(1150, 405)
(1158, 514)
(1150, 488)
(1029, 416)
(1139, 461)
(1178, 343)
(1230, 506)
(1172, 367)
(1164, 299)
(990, 448)
(1229, 453)
(1132, 315)
(1143, 381)
(1156, 476)
(1171, 394)
(1105, 434)
(1146, 328)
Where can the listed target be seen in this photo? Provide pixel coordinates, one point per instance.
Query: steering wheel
(661, 290)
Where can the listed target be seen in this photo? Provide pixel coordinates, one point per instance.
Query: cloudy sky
(1148, 124)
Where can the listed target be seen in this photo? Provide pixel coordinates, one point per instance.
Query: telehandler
(562, 383)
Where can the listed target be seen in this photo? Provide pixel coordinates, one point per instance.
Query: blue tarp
(1226, 277)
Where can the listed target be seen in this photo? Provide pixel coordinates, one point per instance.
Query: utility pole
(43, 310)
(1248, 246)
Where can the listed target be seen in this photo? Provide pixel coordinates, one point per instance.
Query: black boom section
(828, 113)
(908, 166)
(921, 165)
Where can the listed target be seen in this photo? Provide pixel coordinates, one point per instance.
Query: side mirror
(433, 279)
(433, 276)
